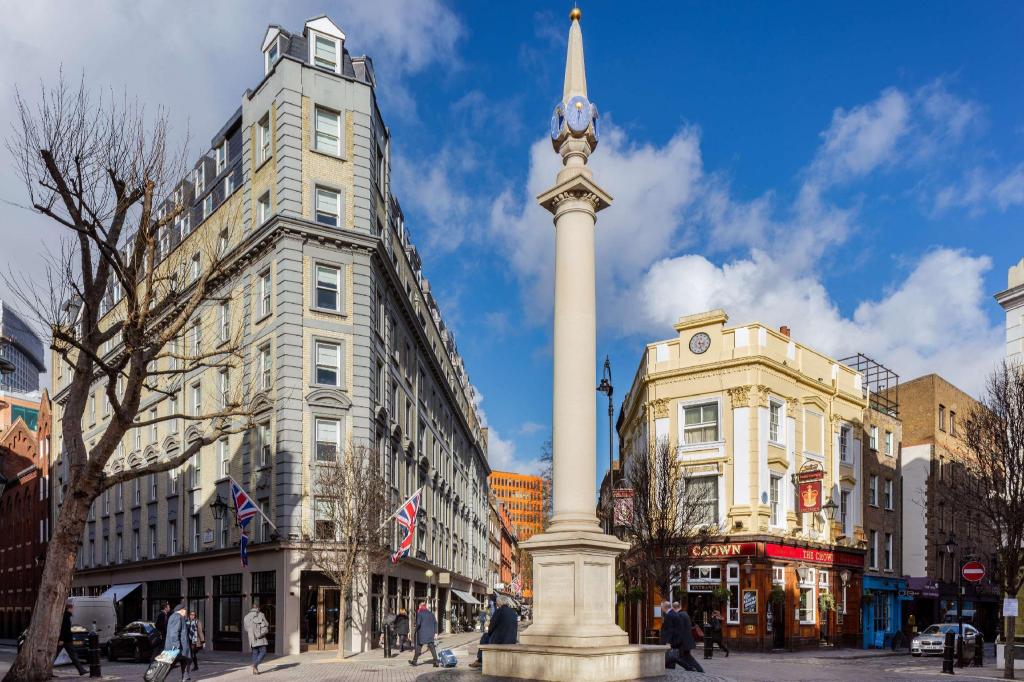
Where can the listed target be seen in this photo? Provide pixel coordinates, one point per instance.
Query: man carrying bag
(177, 649)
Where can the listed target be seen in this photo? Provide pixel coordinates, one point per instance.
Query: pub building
(768, 434)
(775, 592)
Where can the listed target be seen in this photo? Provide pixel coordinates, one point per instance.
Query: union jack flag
(243, 545)
(406, 517)
(516, 586)
(245, 508)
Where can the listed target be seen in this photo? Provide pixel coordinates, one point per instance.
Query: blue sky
(853, 170)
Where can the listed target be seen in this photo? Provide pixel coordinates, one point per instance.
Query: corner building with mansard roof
(744, 409)
(344, 344)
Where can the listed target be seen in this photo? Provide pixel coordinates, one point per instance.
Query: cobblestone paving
(372, 667)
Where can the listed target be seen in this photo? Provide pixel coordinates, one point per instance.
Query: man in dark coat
(670, 626)
(161, 618)
(177, 638)
(426, 629)
(504, 629)
(402, 630)
(685, 644)
(65, 641)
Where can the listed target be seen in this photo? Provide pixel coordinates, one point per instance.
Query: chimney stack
(784, 329)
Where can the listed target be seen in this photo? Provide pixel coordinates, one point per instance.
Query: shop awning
(465, 596)
(118, 592)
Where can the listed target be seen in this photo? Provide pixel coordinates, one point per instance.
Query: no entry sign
(973, 571)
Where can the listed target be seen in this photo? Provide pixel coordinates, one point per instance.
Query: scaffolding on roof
(880, 385)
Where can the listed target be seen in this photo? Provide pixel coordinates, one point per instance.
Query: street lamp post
(430, 588)
(219, 508)
(606, 387)
(951, 546)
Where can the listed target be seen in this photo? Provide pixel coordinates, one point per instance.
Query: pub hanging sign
(808, 488)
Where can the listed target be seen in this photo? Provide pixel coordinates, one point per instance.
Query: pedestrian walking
(178, 638)
(65, 640)
(196, 636)
(257, 628)
(426, 630)
(716, 632)
(388, 623)
(402, 630)
(687, 643)
(670, 634)
(504, 629)
(483, 619)
(161, 618)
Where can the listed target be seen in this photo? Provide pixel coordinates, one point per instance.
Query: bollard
(979, 650)
(960, 662)
(709, 643)
(94, 654)
(947, 654)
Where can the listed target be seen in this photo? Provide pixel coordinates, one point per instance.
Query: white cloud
(502, 453)
(861, 139)
(980, 190)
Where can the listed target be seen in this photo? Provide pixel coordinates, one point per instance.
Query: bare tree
(668, 518)
(547, 481)
(346, 542)
(993, 479)
(117, 310)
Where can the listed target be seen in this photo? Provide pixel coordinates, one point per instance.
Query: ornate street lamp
(801, 572)
(430, 586)
(219, 508)
(606, 387)
(748, 566)
(830, 508)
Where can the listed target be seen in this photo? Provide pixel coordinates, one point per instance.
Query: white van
(98, 610)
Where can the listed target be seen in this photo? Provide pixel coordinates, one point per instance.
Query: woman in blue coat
(177, 638)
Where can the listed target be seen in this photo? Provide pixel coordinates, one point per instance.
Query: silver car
(933, 639)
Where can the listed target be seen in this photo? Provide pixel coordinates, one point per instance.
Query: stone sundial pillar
(573, 635)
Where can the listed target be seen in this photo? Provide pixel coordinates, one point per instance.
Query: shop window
(823, 579)
(227, 612)
(264, 595)
(733, 579)
(808, 598)
(197, 597)
(881, 613)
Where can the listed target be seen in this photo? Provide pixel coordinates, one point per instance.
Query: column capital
(579, 188)
(740, 396)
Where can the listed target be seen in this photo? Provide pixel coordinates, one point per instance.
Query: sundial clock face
(557, 122)
(699, 343)
(577, 114)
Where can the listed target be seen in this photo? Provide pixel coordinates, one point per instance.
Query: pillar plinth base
(595, 664)
(574, 635)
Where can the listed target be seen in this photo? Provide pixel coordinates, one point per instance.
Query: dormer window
(325, 52)
(272, 53)
(222, 156)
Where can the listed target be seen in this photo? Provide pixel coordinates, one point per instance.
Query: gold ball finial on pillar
(575, 14)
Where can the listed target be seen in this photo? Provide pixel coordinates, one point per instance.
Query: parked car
(137, 641)
(933, 639)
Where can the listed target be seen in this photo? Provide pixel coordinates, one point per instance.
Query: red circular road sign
(973, 571)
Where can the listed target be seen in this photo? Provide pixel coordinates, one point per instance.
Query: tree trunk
(342, 617)
(1010, 637)
(34, 663)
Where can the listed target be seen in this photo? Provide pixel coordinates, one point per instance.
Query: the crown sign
(810, 496)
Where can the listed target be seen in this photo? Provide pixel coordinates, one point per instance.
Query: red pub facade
(776, 594)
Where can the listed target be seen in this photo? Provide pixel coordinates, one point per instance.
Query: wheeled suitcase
(160, 666)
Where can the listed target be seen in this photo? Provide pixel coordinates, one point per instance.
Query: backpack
(447, 658)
